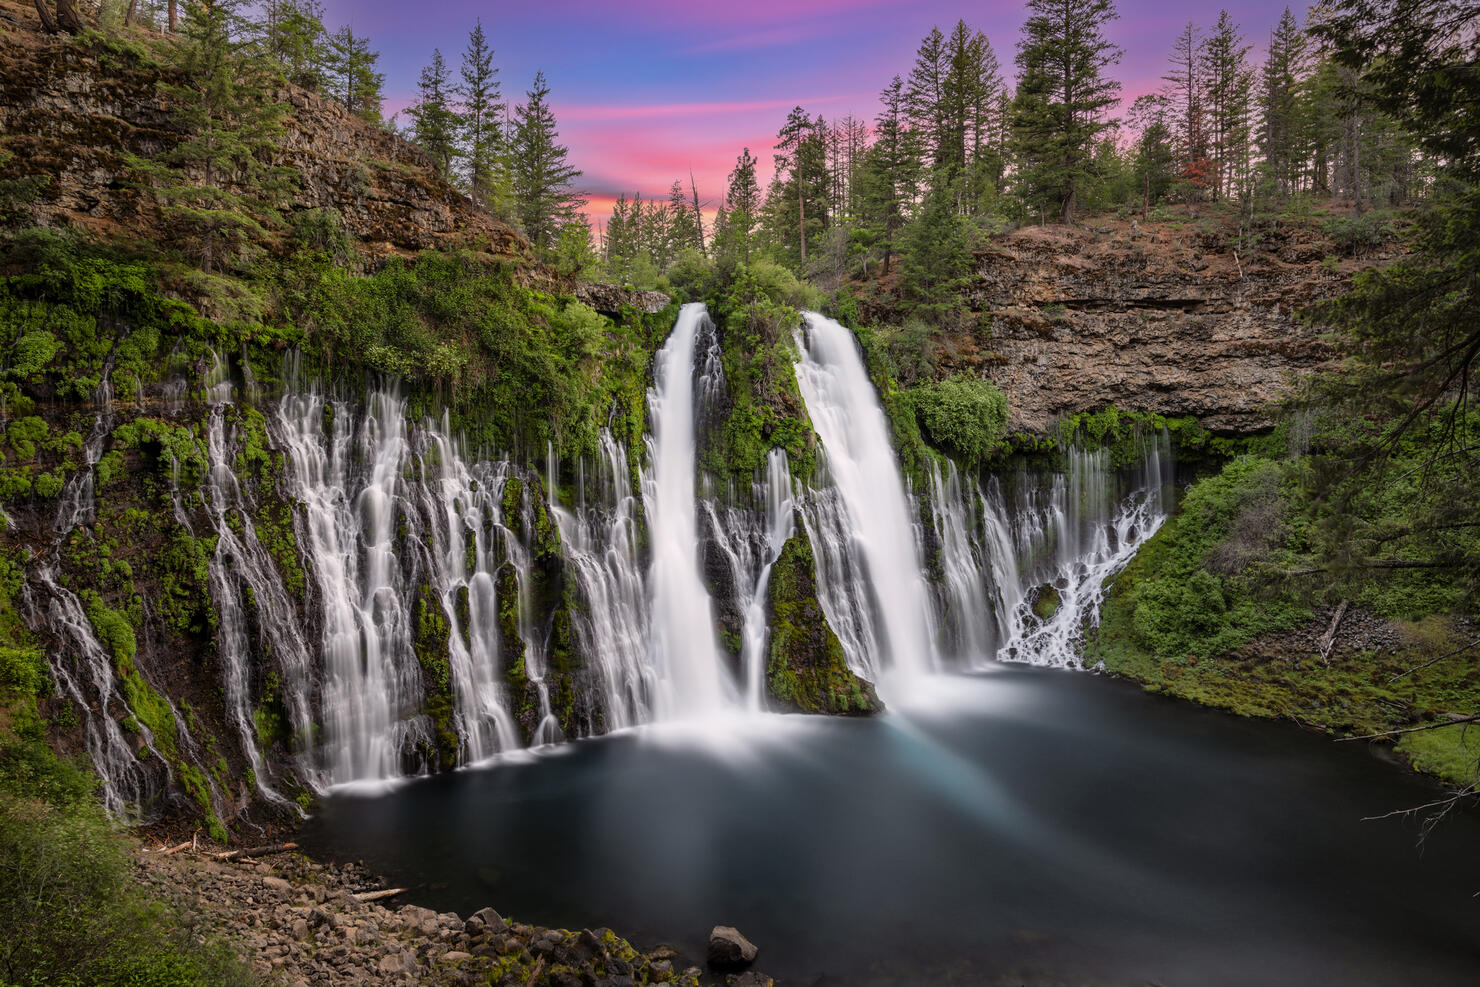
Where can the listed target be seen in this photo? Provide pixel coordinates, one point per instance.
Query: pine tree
(1154, 167)
(889, 175)
(435, 123)
(540, 177)
(925, 99)
(293, 31)
(801, 157)
(743, 208)
(352, 76)
(481, 111)
(684, 232)
(575, 253)
(1280, 109)
(1185, 92)
(217, 189)
(1062, 97)
(1229, 91)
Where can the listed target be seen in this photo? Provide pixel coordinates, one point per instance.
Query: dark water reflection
(1022, 826)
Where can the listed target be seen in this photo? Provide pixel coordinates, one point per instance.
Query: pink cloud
(599, 114)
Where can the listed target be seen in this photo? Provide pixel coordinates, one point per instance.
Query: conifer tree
(742, 209)
(353, 80)
(435, 123)
(925, 99)
(890, 172)
(216, 187)
(1229, 91)
(540, 177)
(293, 31)
(1185, 93)
(1280, 98)
(794, 144)
(481, 110)
(684, 230)
(1063, 93)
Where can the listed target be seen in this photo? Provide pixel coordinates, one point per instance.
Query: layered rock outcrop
(1170, 319)
(75, 110)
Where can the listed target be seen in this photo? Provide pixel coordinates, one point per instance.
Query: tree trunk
(132, 15)
(68, 18)
(174, 16)
(48, 22)
(801, 213)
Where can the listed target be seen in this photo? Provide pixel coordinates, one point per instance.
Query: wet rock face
(806, 670)
(1170, 318)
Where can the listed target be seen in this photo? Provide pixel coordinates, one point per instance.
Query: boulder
(728, 949)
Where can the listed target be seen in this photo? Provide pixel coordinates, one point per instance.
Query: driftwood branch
(256, 851)
(1328, 640)
(378, 895)
(1435, 661)
(1426, 726)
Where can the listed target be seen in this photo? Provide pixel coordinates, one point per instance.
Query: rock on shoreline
(299, 921)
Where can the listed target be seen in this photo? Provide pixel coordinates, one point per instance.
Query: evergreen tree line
(509, 159)
(960, 151)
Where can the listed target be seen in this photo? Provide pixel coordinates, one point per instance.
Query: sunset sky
(647, 89)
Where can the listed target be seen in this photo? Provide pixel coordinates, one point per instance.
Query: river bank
(300, 921)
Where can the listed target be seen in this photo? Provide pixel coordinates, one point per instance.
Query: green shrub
(964, 416)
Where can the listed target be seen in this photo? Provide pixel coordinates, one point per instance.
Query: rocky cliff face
(1171, 319)
(75, 110)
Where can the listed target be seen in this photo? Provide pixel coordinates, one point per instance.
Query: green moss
(25, 434)
(806, 670)
(1452, 753)
(522, 694)
(184, 584)
(431, 642)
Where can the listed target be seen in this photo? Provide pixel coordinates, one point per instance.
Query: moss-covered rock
(806, 671)
(431, 644)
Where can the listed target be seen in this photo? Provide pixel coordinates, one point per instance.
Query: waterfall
(348, 480)
(462, 504)
(682, 640)
(878, 533)
(750, 538)
(83, 672)
(1053, 541)
(600, 540)
(242, 562)
(967, 615)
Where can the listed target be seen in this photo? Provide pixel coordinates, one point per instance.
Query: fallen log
(256, 851)
(1328, 640)
(377, 895)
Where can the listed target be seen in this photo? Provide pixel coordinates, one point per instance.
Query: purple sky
(647, 89)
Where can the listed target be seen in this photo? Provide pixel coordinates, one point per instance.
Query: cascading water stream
(1055, 541)
(600, 539)
(682, 639)
(241, 560)
(848, 418)
(372, 690)
(462, 502)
